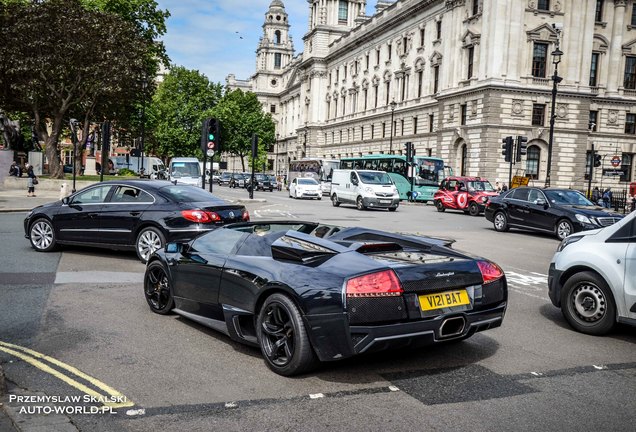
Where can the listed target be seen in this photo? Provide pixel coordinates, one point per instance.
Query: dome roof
(276, 4)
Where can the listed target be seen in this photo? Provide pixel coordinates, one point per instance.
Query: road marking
(34, 358)
(600, 367)
(316, 396)
(393, 388)
(532, 284)
(99, 277)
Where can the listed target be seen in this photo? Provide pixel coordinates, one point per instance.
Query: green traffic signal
(210, 137)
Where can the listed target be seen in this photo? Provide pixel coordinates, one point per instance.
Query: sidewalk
(16, 200)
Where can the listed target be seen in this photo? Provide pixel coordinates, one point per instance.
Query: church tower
(275, 48)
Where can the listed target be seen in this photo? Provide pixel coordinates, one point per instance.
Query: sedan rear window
(186, 193)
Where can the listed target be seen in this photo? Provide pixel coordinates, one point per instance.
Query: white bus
(319, 169)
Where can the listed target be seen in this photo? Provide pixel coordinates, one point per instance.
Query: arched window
(464, 160)
(277, 37)
(532, 162)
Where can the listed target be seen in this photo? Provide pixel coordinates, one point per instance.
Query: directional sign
(210, 152)
(211, 145)
(616, 161)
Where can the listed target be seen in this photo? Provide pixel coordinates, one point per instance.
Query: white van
(185, 170)
(365, 189)
(153, 166)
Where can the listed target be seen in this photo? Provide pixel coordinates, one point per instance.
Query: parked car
(262, 182)
(592, 277)
(365, 189)
(302, 187)
(306, 292)
(274, 182)
(558, 211)
(141, 215)
(224, 179)
(468, 194)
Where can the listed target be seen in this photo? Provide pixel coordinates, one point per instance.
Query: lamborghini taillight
(380, 284)
(490, 272)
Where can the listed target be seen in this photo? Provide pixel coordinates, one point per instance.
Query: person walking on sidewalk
(32, 180)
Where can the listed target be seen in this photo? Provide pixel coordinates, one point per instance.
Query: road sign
(211, 145)
(210, 152)
(519, 181)
(616, 161)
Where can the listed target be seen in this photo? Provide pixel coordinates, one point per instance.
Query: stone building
(455, 77)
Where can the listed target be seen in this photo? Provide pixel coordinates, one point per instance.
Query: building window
(598, 16)
(366, 59)
(422, 37)
(383, 130)
(403, 89)
(414, 125)
(634, 14)
(630, 124)
(420, 79)
(375, 98)
(388, 91)
(464, 160)
(328, 109)
(372, 131)
(533, 157)
(539, 57)
(435, 79)
(344, 104)
(438, 29)
(389, 51)
(277, 37)
(463, 114)
(431, 121)
(626, 167)
(377, 56)
(630, 73)
(343, 11)
(543, 5)
(475, 7)
(471, 55)
(277, 60)
(361, 132)
(337, 75)
(538, 114)
(593, 121)
(594, 70)
(344, 75)
(272, 109)
(402, 127)
(365, 94)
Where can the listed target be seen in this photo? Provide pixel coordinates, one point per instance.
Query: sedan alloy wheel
(148, 241)
(42, 235)
(564, 229)
(501, 221)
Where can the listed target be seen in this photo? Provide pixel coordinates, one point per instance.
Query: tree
(60, 59)
(181, 103)
(241, 115)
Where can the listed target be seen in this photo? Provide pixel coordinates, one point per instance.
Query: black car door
(541, 213)
(197, 274)
(121, 213)
(78, 221)
(518, 207)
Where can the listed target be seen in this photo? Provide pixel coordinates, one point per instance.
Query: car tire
(42, 235)
(149, 240)
(158, 289)
(319, 198)
(392, 209)
(440, 206)
(334, 200)
(563, 228)
(473, 209)
(360, 203)
(587, 304)
(282, 336)
(500, 222)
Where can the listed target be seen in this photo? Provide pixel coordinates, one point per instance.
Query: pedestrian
(15, 170)
(504, 187)
(607, 198)
(596, 195)
(32, 180)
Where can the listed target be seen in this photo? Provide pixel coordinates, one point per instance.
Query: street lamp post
(143, 124)
(556, 79)
(393, 104)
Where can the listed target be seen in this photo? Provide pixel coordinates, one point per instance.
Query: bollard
(63, 190)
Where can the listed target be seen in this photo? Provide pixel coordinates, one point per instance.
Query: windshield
(429, 172)
(380, 178)
(567, 197)
(307, 181)
(480, 186)
(191, 169)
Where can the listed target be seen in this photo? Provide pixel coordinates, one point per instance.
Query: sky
(220, 37)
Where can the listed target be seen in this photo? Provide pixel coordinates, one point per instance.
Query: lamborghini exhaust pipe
(452, 327)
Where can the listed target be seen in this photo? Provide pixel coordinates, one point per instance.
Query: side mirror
(65, 200)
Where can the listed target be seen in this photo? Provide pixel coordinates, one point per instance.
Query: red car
(469, 194)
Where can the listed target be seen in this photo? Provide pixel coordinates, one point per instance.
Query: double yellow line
(37, 359)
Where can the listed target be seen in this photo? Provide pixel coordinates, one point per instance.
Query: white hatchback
(592, 277)
(305, 188)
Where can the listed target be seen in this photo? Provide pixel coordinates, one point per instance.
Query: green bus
(429, 172)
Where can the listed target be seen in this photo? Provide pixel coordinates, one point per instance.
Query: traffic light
(506, 148)
(408, 151)
(597, 160)
(521, 146)
(210, 136)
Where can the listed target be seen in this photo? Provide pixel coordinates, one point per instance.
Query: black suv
(262, 182)
(558, 211)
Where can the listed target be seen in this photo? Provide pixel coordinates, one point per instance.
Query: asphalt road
(85, 308)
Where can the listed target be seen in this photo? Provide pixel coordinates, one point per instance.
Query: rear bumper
(334, 339)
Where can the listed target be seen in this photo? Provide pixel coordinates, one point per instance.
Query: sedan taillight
(200, 216)
(490, 272)
(380, 284)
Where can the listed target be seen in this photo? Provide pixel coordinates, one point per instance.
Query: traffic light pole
(589, 180)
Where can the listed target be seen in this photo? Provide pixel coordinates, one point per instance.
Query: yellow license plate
(444, 300)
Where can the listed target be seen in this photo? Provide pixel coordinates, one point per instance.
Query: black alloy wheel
(473, 209)
(157, 289)
(334, 200)
(439, 205)
(587, 304)
(42, 235)
(283, 338)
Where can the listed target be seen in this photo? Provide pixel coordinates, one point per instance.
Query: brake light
(200, 216)
(380, 284)
(490, 271)
(246, 215)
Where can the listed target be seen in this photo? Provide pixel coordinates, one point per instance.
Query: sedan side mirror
(65, 200)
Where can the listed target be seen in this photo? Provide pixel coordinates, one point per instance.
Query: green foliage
(126, 172)
(182, 101)
(241, 116)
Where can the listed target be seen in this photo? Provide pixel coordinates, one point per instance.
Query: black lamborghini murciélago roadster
(305, 292)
